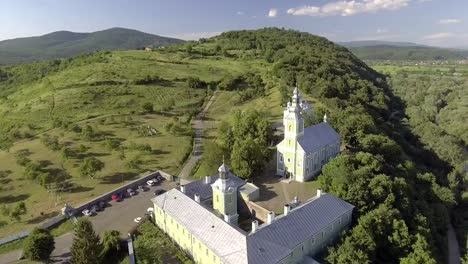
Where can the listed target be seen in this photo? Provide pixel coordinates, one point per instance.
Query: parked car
(131, 192)
(102, 204)
(95, 208)
(87, 212)
(116, 198)
(160, 191)
(142, 188)
(137, 220)
(150, 183)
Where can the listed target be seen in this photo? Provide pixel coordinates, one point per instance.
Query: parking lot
(120, 215)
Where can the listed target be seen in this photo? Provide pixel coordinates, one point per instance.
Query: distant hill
(62, 44)
(367, 43)
(385, 52)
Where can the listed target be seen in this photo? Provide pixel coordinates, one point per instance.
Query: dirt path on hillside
(198, 125)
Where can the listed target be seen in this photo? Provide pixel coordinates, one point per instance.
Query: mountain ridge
(63, 44)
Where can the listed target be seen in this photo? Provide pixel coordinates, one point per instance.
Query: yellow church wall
(186, 241)
(225, 203)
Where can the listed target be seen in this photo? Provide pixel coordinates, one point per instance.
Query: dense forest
(414, 53)
(436, 107)
(403, 204)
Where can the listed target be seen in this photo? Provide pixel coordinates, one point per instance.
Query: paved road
(198, 125)
(454, 251)
(117, 216)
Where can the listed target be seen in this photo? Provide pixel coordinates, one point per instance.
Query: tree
(111, 246)
(88, 132)
(90, 167)
(247, 158)
(15, 213)
(150, 245)
(148, 107)
(421, 253)
(195, 82)
(86, 248)
(212, 156)
(39, 245)
(66, 153)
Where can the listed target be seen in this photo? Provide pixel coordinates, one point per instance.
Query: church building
(202, 217)
(303, 151)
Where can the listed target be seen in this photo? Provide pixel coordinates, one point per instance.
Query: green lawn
(99, 91)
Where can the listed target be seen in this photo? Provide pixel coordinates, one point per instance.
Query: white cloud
(348, 7)
(304, 11)
(449, 21)
(436, 36)
(273, 12)
(382, 30)
(240, 13)
(195, 35)
(393, 37)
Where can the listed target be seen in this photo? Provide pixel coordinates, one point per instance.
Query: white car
(87, 212)
(137, 220)
(150, 211)
(150, 182)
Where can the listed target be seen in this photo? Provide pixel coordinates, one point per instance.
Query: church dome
(223, 168)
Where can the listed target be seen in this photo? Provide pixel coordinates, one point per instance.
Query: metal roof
(248, 188)
(269, 244)
(318, 136)
(272, 242)
(228, 242)
(204, 189)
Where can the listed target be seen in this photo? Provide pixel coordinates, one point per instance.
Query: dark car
(102, 204)
(95, 208)
(142, 188)
(131, 192)
(160, 191)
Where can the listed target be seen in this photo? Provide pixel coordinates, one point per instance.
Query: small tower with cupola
(225, 196)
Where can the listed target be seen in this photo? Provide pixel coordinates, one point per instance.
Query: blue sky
(433, 22)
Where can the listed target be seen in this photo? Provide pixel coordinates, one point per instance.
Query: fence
(105, 198)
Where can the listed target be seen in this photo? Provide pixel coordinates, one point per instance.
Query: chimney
(287, 209)
(197, 198)
(271, 217)
(182, 188)
(296, 200)
(207, 179)
(319, 192)
(254, 226)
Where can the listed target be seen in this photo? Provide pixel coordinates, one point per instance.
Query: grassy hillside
(63, 44)
(412, 53)
(105, 91)
(402, 201)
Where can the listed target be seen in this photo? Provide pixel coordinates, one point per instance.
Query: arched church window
(290, 128)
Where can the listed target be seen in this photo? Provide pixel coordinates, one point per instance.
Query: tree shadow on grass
(45, 163)
(118, 177)
(159, 152)
(5, 180)
(13, 198)
(79, 188)
(42, 218)
(25, 152)
(91, 154)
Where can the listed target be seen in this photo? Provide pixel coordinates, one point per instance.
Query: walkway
(453, 250)
(198, 125)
